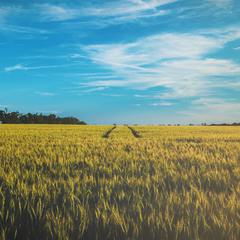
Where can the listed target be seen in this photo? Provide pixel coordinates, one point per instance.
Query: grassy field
(71, 182)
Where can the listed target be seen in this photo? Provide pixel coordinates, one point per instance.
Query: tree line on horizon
(36, 118)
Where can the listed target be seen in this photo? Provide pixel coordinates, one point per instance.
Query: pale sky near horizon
(129, 61)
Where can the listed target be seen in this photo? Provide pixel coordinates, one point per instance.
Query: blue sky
(129, 61)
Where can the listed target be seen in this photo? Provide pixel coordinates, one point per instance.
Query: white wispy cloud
(226, 34)
(153, 49)
(216, 10)
(137, 104)
(21, 67)
(3, 13)
(177, 61)
(112, 11)
(142, 96)
(112, 95)
(221, 3)
(213, 110)
(6, 11)
(156, 104)
(50, 12)
(22, 29)
(43, 57)
(46, 94)
(106, 83)
(15, 68)
(127, 7)
(90, 90)
(7, 25)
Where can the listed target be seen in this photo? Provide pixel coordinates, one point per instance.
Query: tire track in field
(108, 132)
(134, 132)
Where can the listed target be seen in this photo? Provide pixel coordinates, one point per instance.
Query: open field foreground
(77, 182)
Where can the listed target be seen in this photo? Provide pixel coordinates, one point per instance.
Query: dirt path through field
(108, 132)
(134, 132)
(121, 130)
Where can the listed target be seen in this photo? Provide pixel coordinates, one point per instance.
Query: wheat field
(148, 182)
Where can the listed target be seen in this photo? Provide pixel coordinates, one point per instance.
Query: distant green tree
(36, 118)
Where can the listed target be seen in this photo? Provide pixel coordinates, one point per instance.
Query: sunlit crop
(71, 182)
